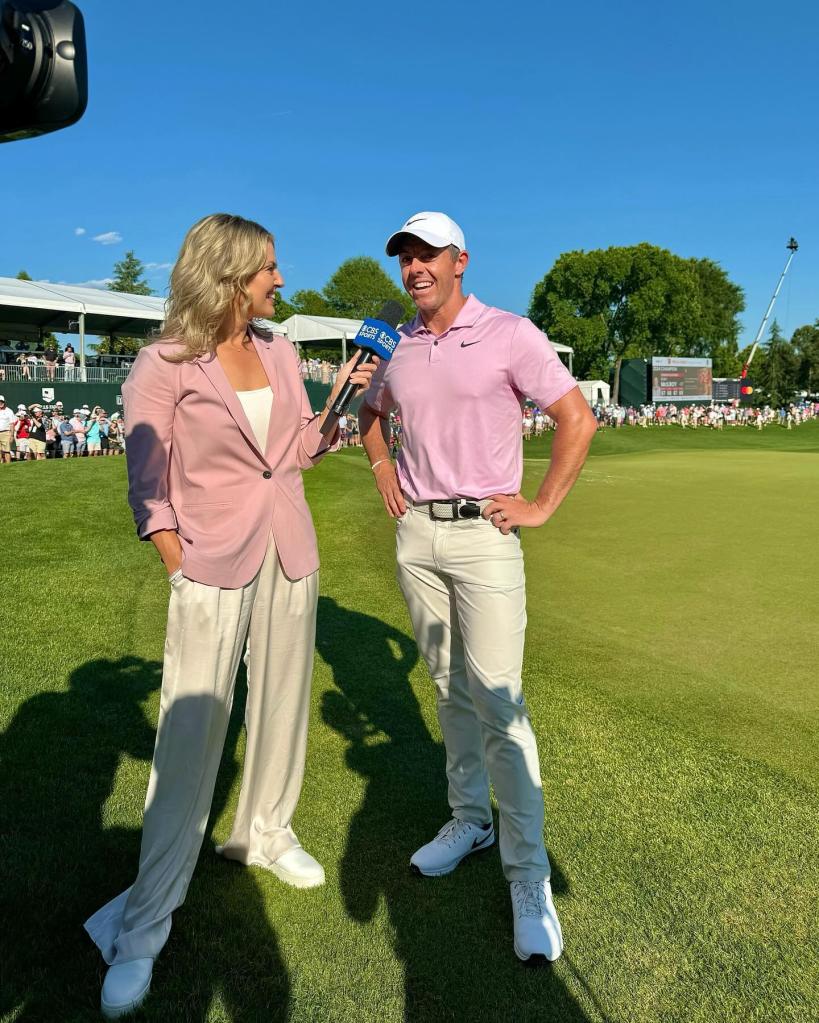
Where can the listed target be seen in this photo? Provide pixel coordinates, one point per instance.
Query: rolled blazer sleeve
(149, 398)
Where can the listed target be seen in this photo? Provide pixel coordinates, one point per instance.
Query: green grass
(671, 673)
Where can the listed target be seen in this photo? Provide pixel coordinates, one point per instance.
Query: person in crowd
(37, 434)
(69, 361)
(231, 525)
(22, 430)
(78, 425)
(7, 420)
(25, 368)
(50, 360)
(64, 435)
(456, 496)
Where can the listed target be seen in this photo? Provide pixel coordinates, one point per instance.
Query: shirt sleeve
(535, 369)
(378, 395)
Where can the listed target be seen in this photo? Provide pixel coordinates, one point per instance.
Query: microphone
(377, 336)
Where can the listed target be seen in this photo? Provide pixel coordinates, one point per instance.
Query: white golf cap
(2, 398)
(436, 229)
(22, 408)
(76, 411)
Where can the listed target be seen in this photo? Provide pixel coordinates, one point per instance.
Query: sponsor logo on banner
(48, 393)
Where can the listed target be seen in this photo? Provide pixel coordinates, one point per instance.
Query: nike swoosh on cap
(467, 344)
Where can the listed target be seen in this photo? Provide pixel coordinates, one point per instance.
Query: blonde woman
(218, 428)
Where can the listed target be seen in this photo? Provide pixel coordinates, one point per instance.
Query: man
(78, 425)
(37, 433)
(459, 378)
(7, 421)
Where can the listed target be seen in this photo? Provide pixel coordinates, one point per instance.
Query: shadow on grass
(452, 934)
(58, 760)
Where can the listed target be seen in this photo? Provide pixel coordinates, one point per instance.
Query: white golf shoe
(456, 840)
(297, 867)
(125, 987)
(537, 928)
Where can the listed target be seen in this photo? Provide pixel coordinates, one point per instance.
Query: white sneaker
(125, 987)
(537, 928)
(298, 868)
(455, 841)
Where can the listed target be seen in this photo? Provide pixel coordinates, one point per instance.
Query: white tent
(28, 309)
(595, 391)
(301, 328)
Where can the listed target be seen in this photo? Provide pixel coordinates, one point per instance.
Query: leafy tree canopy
(805, 341)
(637, 301)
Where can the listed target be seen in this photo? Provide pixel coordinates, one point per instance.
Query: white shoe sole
(537, 956)
(487, 843)
(116, 1011)
(294, 880)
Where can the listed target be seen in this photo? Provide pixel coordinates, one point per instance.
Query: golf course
(672, 675)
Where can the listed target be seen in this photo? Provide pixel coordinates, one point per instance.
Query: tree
(360, 287)
(23, 276)
(776, 374)
(805, 341)
(128, 276)
(635, 302)
(717, 330)
(616, 303)
(311, 303)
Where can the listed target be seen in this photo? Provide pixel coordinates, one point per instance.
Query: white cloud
(101, 285)
(108, 238)
(79, 230)
(158, 266)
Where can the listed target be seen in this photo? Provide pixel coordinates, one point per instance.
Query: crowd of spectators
(44, 365)
(320, 371)
(29, 433)
(715, 416)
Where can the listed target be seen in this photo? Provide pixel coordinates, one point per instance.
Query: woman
(218, 428)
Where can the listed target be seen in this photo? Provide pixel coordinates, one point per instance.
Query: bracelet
(375, 465)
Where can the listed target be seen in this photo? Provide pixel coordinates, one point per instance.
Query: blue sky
(539, 127)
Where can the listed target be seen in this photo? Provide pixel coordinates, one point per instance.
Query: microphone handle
(345, 396)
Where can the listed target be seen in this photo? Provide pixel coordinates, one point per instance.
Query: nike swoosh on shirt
(467, 344)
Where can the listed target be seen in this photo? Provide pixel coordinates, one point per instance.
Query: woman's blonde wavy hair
(218, 257)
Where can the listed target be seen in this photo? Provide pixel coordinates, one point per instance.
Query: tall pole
(792, 246)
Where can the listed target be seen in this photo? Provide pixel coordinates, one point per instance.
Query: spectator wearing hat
(37, 435)
(21, 433)
(456, 496)
(78, 425)
(65, 432)
(7, 421)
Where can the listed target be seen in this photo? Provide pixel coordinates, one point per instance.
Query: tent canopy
(303, 329)
(30, 308)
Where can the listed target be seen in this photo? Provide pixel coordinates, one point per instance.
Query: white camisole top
(258, 405)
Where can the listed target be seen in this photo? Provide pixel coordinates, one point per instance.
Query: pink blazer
(194, 464)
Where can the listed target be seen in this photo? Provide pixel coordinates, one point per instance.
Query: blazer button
(267, 474)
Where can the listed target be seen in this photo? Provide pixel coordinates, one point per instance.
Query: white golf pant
(206, 634)
(464, 584)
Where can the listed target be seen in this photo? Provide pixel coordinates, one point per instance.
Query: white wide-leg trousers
(207, 627)
(465, 589)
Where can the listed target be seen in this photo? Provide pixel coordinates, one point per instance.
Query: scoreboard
(678, 379)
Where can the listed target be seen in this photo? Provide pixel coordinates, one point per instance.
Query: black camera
(43, 67)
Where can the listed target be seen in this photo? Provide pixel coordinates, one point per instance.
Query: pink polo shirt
(460, 397)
